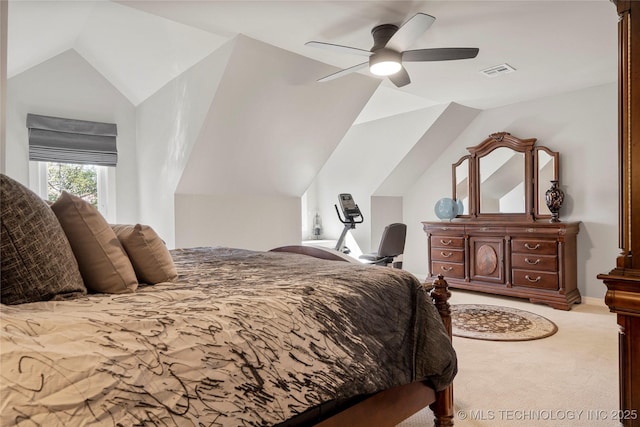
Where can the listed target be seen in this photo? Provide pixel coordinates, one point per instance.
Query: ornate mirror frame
(543, 174)
(461, 186)
(534, 174)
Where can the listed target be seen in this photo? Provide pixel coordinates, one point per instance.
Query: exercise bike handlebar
(350, 216)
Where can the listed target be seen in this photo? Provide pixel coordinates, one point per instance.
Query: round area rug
(496, 323)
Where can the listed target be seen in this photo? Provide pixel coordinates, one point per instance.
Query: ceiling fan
(389, 50)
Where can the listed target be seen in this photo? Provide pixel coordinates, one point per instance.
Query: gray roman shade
(53, 139)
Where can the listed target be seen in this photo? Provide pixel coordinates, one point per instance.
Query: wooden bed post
(443, 406)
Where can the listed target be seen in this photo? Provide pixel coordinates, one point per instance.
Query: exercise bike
(352, 216)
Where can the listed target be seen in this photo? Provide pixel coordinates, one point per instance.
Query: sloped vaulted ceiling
(136, 51)
(271, 127)
(555, 46)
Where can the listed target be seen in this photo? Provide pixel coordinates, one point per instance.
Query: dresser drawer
(532, 246)
(447, 255)
(447, 242)
(535, 262)
(535, 279)
(448, 269)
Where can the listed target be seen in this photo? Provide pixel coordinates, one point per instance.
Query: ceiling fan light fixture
(389, 51)
(385, 62)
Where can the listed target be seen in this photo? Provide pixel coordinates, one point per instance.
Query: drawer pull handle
(528, 261)
(536, 280)
(533, 248)
(443, 268)
(446, 243)
(446, 254)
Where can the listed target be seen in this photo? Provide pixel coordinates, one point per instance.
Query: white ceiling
(139, 46)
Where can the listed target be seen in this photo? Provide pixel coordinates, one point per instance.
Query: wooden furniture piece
(390, 407)
(623, 281)
(534, 261)
(505, 242)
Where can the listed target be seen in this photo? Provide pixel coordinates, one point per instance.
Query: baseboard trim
(594, 301)
(599, 302)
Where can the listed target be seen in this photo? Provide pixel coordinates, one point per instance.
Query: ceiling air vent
(497, 70)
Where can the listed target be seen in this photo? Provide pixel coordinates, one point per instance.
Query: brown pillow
(150, 257)
(37, 261)
(103, 263)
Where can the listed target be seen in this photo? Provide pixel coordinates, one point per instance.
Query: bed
(222, 337)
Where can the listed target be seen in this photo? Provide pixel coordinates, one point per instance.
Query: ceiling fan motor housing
(381, 35)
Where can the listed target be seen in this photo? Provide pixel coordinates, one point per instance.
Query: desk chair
(391, 246)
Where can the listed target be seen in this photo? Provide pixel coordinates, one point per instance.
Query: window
(90, 182)
(76, 156)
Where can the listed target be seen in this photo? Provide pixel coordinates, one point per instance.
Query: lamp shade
(385, 62)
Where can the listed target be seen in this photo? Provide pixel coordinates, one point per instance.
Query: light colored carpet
(568, 379)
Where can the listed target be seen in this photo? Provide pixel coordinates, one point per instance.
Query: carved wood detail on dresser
(536, 261)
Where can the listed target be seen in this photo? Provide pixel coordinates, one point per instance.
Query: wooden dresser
(504, 234)
(522, 259)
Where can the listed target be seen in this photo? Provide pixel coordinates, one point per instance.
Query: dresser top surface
(502, 226)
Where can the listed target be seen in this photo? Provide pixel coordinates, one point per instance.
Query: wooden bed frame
(390, 407)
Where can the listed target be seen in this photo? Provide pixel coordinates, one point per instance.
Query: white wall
(384, 157)
(582, 126)
(366, 156)
(68, 86)
(3, 83)
(268, 130)
(385, 210)
(168, 125)
(256, 222)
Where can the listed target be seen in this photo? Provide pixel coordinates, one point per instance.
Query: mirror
(505, 178)
(502, 182)
(461, 185)
(546, 167)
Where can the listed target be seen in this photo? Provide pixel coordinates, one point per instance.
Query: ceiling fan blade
(344, 72)
(339, 48)
(410, 31)
(440, 54)
(401, 78)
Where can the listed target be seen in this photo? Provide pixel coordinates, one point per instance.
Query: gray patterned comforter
(241, 339)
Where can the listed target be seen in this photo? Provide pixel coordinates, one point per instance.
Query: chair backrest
(392, 241)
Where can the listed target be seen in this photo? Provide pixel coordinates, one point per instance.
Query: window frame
(106, 184)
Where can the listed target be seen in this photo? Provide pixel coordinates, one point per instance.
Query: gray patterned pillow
(37, 261)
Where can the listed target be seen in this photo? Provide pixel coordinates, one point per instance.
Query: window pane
(81, 180)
